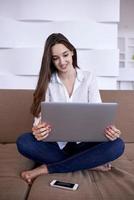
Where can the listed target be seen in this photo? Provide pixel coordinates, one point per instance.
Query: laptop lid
(78, 121)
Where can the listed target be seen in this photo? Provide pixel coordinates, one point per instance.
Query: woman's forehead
(59, 49)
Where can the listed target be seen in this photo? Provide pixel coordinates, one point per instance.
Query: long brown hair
(48, 68)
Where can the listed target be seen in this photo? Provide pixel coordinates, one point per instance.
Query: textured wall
(91, 25)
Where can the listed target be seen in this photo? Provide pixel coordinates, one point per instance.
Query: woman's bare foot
(30, 175)
(103, 168)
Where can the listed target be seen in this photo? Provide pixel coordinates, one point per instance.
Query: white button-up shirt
(85, 90)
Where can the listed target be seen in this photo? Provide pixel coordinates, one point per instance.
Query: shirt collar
(80, 74)
(55, 78)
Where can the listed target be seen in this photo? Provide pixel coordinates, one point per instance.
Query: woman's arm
(41, 129)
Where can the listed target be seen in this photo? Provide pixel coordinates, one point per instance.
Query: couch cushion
(13, 188)
(115, 184)
(130, 151)
(12, 162)
(126, 162)
(119, 182)
(87, 188)
(125, 113)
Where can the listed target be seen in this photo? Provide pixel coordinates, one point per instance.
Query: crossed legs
(54, 160)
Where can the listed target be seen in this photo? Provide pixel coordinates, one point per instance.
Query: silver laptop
(78, 121)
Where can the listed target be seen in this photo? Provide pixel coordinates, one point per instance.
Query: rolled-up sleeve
(47, 99)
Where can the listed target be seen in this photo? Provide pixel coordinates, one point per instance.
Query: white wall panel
(81, 34)
(27, 61)
(101, 11)
(29, 82)
(17, 82)
(25, 25)
(105, 61)
(21, 61)
(107, 83)
(126, 74)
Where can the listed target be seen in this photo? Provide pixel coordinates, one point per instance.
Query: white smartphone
(64, 185)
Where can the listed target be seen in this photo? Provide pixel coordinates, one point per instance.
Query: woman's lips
(63, 66)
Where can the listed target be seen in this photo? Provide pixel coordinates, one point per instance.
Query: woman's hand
(41, 131)
(112, 133)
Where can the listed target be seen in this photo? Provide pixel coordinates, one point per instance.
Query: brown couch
(117, 184)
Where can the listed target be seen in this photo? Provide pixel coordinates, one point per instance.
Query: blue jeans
(72, 157)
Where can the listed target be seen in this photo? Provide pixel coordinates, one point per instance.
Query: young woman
(61, 79)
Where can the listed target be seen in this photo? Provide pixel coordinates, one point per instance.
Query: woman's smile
(62, 57)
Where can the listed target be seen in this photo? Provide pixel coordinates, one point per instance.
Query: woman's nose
(62, 61)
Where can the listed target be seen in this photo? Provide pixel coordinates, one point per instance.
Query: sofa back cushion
(125, 113)
(15, 117)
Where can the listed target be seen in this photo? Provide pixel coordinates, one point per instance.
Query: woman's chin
(63, 69)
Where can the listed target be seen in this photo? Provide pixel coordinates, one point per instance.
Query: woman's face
(62, 57)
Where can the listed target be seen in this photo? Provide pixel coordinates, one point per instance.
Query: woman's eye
(55, 59)
(65, 55)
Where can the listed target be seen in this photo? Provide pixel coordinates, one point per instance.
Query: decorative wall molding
(61, 10)
(89, 25)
